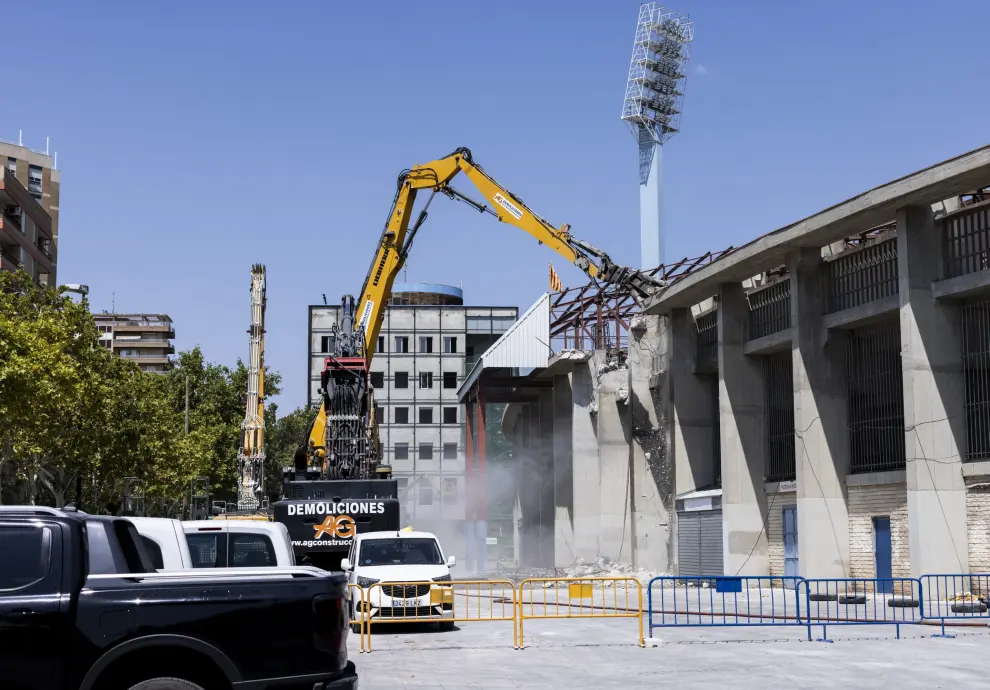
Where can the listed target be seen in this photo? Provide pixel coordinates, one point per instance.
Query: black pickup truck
(82, 608)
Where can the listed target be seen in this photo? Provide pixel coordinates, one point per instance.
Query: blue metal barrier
(723, 601)
(861, 601)
(955, 597)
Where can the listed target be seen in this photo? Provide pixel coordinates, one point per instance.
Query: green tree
(54, 381)
(217, 405)
(77, 420)
(283, 436)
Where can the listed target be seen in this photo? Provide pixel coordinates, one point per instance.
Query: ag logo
(336, 526)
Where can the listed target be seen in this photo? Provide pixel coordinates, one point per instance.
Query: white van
(238, 544)
(412, 558)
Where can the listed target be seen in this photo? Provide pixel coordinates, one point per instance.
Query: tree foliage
(77, 420)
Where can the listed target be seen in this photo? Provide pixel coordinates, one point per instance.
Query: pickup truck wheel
(165, 684)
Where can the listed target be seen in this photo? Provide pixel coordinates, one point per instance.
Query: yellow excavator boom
(397, 238)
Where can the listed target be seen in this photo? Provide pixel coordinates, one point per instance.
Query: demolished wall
(594, 447)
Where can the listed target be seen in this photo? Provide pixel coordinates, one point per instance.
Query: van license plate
(405, 603)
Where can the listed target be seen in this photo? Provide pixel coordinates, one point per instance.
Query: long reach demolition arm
(364, 324)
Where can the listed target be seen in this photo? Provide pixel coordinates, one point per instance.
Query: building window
(401, 451)
(426, 379)
(450, 379)
(12, 165)
(450, 415)
(402, 415)
(326, 342)
(403, 482)
(500, 324)
(381, 344)
(426, 415)
(426, 344)
(401, 379)
(401, 344)
(379, 413)
(450, 451)
(425, 451)
(425, 495)
(34, 181)
(378, 379)
(449, 491)
(450, 344)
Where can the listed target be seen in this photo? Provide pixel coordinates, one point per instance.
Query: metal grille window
(778, 386)
(976, 368)
(875, 390)
(707, 324)
(401, 451)
(966, 242)
(769, 310)
(861, 276)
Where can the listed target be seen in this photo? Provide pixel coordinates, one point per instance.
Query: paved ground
(576, 654)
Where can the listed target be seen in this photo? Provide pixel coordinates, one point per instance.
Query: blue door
(882, 552)
(790, 546)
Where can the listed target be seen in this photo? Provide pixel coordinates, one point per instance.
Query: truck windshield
(400, 552)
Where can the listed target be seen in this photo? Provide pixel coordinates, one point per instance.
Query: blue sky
(197, 138)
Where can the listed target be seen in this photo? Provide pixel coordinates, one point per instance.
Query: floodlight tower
(652, 110)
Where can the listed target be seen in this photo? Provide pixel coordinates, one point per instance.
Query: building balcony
(141, 324)
(150, 358)
(121, 343)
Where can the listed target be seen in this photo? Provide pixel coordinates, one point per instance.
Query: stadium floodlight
(652, 109)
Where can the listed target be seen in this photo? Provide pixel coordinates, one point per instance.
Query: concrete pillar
(545, 478)
(615, 475)
(934, 402)
(741, 427)
(584, 463)
(563, 471)
(470, 562)
(691, 396)
(480, 476)
(652, 487)
(821, 437)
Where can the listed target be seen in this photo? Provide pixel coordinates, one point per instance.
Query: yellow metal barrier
(460, 601)
(356, 595)
(579, 597)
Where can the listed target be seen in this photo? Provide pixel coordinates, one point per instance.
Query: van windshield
(400, 552)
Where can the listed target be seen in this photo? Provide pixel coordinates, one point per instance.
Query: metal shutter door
(711, 542)
(689, 544)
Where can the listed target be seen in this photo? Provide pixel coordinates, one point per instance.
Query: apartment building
(142, 338)
(27, 238)
(429, 340)
(36, 172)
